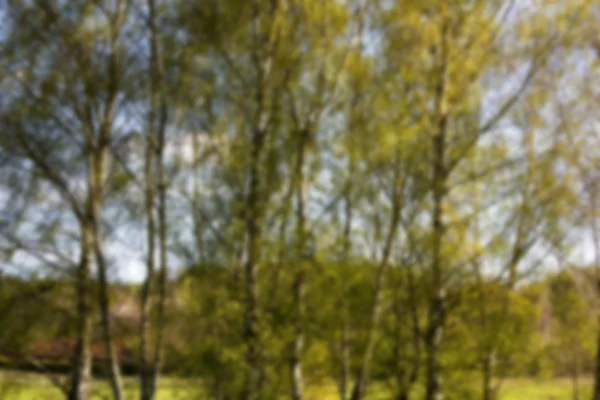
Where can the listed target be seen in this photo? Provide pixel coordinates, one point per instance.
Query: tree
(70, 92)
(338, 190)
(572, 330)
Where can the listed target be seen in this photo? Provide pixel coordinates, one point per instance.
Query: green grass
(22, 386)
(19, 386)
(554, 389)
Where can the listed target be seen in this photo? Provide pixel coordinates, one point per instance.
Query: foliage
(362, 195)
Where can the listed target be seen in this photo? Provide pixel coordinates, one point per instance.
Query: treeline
(542, 329)
(373, 181)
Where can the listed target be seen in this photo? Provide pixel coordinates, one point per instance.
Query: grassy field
(557, 389)
(20, 386)
(35, 387)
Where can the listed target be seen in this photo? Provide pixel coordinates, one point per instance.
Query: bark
(260, 119)
(156, 144)
(485, 348)
(147, 286)
(252, 233)
(281, 255)
(596, 238)
(96, 165)
(489, 346)
(345, 354)
(345, 372)
(162, 277)
(400, 372)
(407, 379)
(298, 345)
(343, 375)
(488, 390)
(99, 147)
(82, 363)
(596, 388)
(433, 340)
(403, 392)
(596, 395)
(575, 379)
(116, 383)
(436, 318)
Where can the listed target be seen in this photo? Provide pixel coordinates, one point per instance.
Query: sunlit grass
(24, 386)
(19, 386)
(546, 389)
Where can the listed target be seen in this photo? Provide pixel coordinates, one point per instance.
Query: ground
(35, 387)
(557, 389)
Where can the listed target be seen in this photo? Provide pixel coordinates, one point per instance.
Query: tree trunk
(435, 329)
(82, 363)
(344, 379)
(96, 165)
(298, 345)
(162, 276)
(402, 393)
(360, 385)
(98, 146)
(107, 329)
(345, 355)
(147, 286)
(575, 378)
(260, 123)
(252, 236)
(488, 391)
(433, 338)
(416, 331)
(596, 395)
(596, 239)
(403, 389)
(436, 319)
(343, 375)
(407, 377)
(158, 121)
